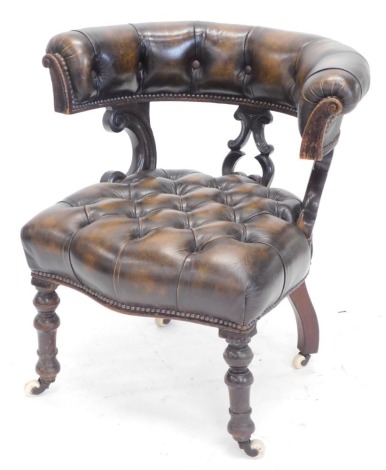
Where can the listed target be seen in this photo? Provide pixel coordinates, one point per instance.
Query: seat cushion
(179, 243)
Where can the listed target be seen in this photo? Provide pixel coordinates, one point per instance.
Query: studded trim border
(150, 311)
(144, 310)
(182, 97)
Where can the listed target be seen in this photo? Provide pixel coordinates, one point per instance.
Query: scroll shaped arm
(328, 86)
(253, 121)
(135, 120)
(61, 85)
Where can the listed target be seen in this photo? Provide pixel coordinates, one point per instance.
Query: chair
(178, 244)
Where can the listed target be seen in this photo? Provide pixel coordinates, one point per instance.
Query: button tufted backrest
(233, 60)
(315, 78)
(289, 71)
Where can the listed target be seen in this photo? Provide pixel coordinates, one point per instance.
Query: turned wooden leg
(239, 379)
(307, 323)
(46, 323)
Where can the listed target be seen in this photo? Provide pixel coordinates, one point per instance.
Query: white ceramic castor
(254, 448)
(300, 361)
(258, 445)
(30, 386)
(161, 321)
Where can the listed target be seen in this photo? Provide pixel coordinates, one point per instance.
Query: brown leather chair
(178, 244)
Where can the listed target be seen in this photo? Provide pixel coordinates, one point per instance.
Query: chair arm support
(313, 195)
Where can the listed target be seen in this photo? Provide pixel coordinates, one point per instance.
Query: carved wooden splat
(252, 121)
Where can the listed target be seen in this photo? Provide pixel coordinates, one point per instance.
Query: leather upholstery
(285, 71)
(221, 251)
(179, 244)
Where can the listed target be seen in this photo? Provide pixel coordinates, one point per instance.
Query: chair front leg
(239, 379)
(46, 323)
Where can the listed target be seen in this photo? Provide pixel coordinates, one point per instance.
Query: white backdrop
(46, 156)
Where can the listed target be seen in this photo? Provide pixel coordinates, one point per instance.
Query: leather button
(196, 64)
(248, 69)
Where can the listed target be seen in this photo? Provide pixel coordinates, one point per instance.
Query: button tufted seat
(168, 236)
(180, 244)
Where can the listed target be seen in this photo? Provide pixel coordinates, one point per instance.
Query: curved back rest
(247, 63)
(279, 70)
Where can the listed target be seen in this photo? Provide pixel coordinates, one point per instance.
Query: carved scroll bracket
(135, 120)
(252, 121)
(312, 147)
